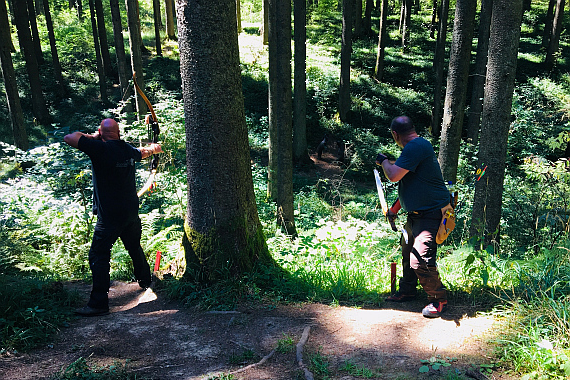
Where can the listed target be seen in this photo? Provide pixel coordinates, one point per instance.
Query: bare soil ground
(165, 340)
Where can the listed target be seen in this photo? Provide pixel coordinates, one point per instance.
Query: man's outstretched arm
(72, 139)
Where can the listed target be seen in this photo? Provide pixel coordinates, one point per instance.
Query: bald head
(402, 125)
(109, 130)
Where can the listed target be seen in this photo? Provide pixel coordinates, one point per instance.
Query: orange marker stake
(393, 277)
(157, 261)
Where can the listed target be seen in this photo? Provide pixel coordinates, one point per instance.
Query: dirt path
(165, 340)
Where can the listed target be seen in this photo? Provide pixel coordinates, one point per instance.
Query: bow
(152, 122)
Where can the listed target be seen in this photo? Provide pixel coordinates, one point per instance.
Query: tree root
(263, 360)
(300, 345)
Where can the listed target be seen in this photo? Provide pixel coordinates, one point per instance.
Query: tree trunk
(265, 24)
(480, 72)
(103, 43)
(300, 151)
(552, 51)
(548, 23)
(358, 19)
(238, 15)
(122, 66)
(35, 35)
(457, 77)
(170, 34)
(79, 6)
(367, 22)
(61, 88)
(157, 26)
(136, 54)
(280, 109)
(10, 85)
(222, 228)
(406, 21)
(496, 118)
(433, 25)
(382, 39)
(438, 63)
(39, 107)
(100, 68)
(344, 102)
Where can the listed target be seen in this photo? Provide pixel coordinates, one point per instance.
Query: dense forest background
(343, 248)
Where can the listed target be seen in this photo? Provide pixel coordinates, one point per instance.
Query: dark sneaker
(434, 309)
(88, 311)
(145, 284)
(400, 297)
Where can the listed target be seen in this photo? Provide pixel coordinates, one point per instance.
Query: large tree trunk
(382, 40)
(10, 85)
(39, 107)
(170, 34)
(222, 228)
(457, 77)
(35, 35)
(438, 63)
(496, 118)
(553, 44)
(344, 102)
(300, 151)
(105, 55)
(280, 109)
(480, 72)
(157, 26)
(100, 68)
(61, 87)
(136, 54)
(122, 66)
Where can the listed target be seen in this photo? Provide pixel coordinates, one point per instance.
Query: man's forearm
(148, 151)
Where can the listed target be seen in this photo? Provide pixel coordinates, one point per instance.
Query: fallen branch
(263, 360)
(300, 345)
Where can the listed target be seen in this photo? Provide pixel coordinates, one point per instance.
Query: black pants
(104, 236)
(419, 256)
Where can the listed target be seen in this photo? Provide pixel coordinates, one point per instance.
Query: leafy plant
(435, 363)
(285, 344)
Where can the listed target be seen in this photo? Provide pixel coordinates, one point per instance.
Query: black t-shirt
(115, 197)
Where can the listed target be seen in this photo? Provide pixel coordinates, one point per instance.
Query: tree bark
(480, 73)
(60, 83)
(496, 119)
(367, 22)
(222, 228)
(35, 35)
(548, 23)
(10, 84)
(300, 151)
(157, 26)
(123, 68)
(358, 19)
(553, 44)
(406, 21)
(100, 68)
(457, 77)
(438, 63)
(382, 40)
(344, 102)
(280, 110)
(101, 30)
(136, 54)
(170, 34)
(39, 107)
(433, 25)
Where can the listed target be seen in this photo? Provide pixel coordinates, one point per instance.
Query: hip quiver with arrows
(448, 217)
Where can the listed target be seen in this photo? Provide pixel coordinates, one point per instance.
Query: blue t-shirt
(422, 188)
(115, 197)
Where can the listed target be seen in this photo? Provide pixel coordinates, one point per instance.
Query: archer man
(116, 204)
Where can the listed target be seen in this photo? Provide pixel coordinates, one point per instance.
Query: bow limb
(143, 96)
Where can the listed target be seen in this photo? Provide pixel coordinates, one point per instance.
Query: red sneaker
(434, 309)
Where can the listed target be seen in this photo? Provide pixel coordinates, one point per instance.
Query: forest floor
(165, 340)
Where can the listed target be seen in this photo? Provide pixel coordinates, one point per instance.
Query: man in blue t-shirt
(116, 204)
(422, 194)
